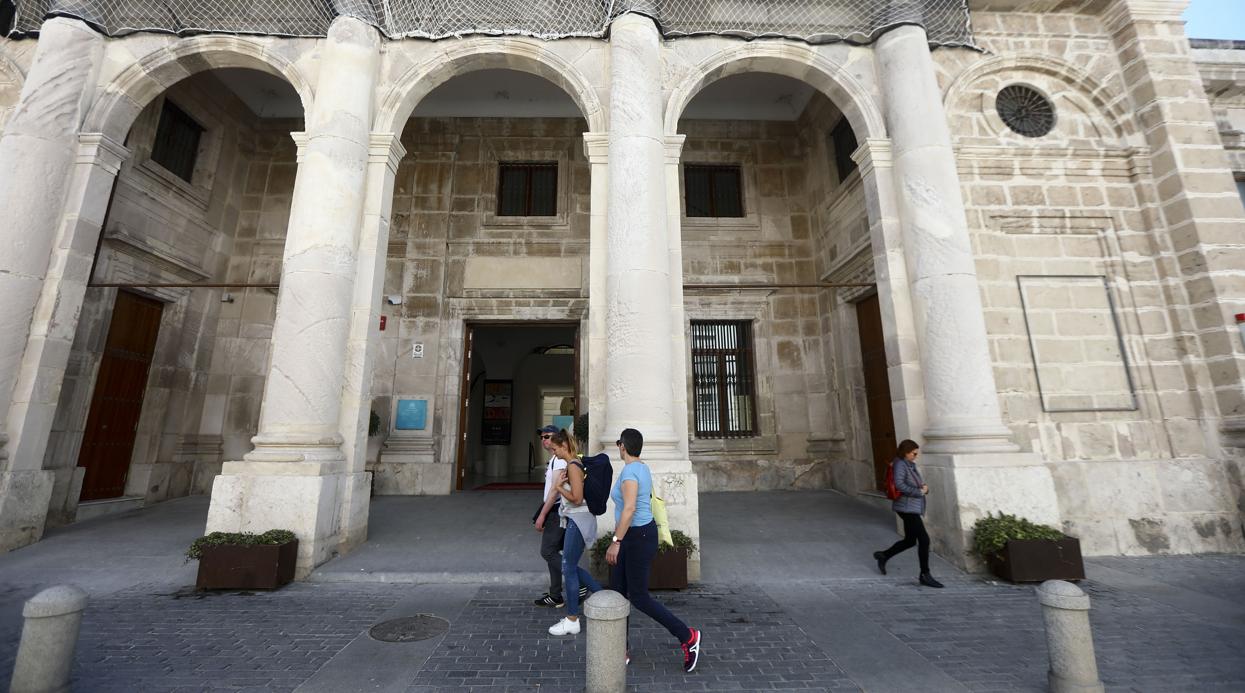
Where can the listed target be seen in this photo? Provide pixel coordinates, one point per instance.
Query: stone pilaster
(971, 465)
(297, 477)
(596, 149)
(1195, 199)
(679, 354)
(640, 279)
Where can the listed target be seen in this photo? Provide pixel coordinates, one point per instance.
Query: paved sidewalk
(790, 601)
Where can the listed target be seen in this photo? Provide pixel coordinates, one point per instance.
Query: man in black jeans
(546, 521)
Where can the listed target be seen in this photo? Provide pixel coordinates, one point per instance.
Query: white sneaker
(565, 627)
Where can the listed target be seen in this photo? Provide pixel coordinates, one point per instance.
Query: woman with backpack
(581, 530)
(909, 503)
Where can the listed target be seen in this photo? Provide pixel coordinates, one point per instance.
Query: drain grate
(409, 628)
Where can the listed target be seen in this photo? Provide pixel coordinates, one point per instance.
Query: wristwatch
(616, 539)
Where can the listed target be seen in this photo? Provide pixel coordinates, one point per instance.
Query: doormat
(511, 486)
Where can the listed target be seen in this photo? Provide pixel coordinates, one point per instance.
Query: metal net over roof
(814, 21)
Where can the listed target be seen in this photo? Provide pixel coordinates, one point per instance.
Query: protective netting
(814, 21)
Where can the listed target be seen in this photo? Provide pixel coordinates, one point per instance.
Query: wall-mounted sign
(412, 415)
(417, 350)
(497, 398)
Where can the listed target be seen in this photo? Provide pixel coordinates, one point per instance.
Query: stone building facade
(1049, 312)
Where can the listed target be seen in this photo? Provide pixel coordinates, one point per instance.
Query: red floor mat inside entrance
(511, 486)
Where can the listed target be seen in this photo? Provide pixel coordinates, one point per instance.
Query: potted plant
(1018, 550)
(669, 570)
(244, 560)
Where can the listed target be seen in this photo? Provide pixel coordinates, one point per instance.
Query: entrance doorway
(117, 402)
(877, 387)
(517, 377)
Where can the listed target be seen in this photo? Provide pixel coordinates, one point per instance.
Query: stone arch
(797, 61)
(1082, 89)
(125, 96)
(527, 55)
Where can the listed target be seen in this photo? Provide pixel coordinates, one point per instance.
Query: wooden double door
(877, 387)
(117, 402)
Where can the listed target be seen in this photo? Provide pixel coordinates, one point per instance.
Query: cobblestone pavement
(984, 635)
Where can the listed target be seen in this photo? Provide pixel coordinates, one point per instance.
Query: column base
(249, 497)
(971, 439)
(408, 466)
(24, 498)
(964, 488)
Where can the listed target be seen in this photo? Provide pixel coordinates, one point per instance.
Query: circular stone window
(1025, 110)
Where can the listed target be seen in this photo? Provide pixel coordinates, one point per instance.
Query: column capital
(873, 153)
(300, 141)
(1120, 13)
(674, 148)
(98, 148)
(385, 148)
(597, 147)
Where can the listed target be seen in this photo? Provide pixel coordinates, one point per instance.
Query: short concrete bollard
(1069, 640)
(49, 637)
(607, 613)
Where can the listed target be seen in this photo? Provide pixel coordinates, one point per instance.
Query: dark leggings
(630, 578)
(914, 534)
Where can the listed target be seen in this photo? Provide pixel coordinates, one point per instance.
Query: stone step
(108, 506)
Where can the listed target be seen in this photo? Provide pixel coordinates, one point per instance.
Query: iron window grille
(722, 379)
(713, 191)
(1025, 110)
(527, 189)
(176, 146)
(843, 140)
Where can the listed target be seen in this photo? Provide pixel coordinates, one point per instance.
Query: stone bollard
(49, 637)
(607, 612)
(1069, 640)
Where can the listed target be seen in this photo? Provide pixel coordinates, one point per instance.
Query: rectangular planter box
(247, 567)
(1036, 560)
(669, 571)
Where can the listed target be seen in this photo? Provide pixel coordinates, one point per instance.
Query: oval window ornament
(1025, 110)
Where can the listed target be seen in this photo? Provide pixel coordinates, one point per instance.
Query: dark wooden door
(877, 387)
(117, 402)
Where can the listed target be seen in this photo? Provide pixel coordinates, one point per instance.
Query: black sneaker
(691, 651)
(549, 601)
(583, 594)
(881, 559)
(928, 580)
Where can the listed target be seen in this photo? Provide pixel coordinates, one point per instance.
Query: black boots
(929, 581)
(880, 557)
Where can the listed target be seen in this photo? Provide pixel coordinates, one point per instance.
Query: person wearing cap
(551, 534)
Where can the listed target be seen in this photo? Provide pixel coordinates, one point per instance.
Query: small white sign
(417, 350)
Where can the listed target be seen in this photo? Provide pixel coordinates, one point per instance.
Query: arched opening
(166, 375)
(788, 377)
(486, 270)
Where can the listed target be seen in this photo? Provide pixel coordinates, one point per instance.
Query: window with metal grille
(177, 142)
(713, 191)
(722, 382)
(527, 189)
(843, 142)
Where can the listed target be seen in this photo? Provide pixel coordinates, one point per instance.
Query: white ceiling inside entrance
(512, 94)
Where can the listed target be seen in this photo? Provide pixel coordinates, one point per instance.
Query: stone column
(1195, 199)
(679, 353)
(971, 465)
(596, 148)
(38, 151)
(960, 397)
(296, 477)
(641, 277)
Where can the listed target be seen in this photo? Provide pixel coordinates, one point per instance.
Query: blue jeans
(572, 574)
(630, 578)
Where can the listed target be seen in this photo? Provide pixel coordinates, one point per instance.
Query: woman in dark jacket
(910, 506)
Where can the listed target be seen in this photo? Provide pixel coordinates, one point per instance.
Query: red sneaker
(691, 651)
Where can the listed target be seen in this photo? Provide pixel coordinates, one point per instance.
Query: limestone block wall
(770, 244)
(1081, 291)
(452, 259)
(160, 229)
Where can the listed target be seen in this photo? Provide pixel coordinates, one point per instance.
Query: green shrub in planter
(244, 560)
(272, 537)
(1018, 550)
(681, 541)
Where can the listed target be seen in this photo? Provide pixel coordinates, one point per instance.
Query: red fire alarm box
(382, 323)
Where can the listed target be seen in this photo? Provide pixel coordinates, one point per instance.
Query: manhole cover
(409, 629)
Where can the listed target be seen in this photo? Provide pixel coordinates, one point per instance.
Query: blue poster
(567, 422)
(412, 414)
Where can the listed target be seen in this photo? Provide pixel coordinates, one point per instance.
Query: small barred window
(1025, 111)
